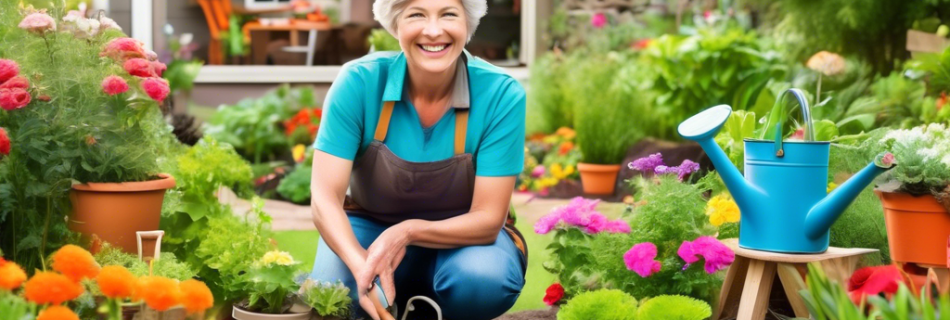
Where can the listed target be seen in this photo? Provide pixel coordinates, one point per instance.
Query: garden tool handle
(806, 117)
(374, 297)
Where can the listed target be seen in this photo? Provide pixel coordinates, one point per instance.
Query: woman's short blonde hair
(386, 12)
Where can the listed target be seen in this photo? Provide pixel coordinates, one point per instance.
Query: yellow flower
(722, 209)
(298, 152)
(566, 132)
(546, 182)
(560, 173)
(831, 186)
(278, 257)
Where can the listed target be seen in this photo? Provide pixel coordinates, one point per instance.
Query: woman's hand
(382, 259)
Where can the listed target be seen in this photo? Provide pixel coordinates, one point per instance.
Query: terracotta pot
(113, 212)
(177, 313)
(241, 314)
(917, 228)
(598, 178)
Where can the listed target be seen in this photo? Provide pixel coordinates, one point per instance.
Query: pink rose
(113, 85)
(159, 68)
(16, 82)
(120, 49)
(139, 67)
(156, 88)
(12, 99)
(8, 70)
(598, 20)
(38, 22)
(640, 259)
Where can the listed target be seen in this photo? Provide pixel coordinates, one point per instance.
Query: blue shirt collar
(395, 83)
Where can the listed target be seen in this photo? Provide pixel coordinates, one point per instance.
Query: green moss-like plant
(166, 266)
(327, 299)
(671, 307)
(607, 304)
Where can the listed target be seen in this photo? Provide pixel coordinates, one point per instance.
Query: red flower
(8, 69)
(139, 67)
(942, 101)
(4, 142)
(159, 68)
(642, 44)
(156, 88)
(121, 49)
(113, 85)
(873, 281)
(12, 99)
(16, 82)
(553, 294)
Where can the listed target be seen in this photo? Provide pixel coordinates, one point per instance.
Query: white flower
(107, 23)
(79, 26)
(928, 153)
(186, 39)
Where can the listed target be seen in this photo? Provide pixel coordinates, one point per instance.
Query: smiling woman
(429, 140)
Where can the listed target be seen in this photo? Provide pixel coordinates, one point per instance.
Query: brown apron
(390, 189)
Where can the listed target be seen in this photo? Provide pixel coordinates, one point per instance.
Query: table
(745, 292)
(260, 37)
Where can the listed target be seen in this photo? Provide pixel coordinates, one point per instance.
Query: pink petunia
(716, 254)
(120, 49)
(538, 171)
(597, 223)
(139, 67)
(546, 223)
(8, 70)
(640, 259)
(156, 88)
(113, 85)
(16, 82)
(598, 20)
(617, 226)
(12, 99)
(38, 22)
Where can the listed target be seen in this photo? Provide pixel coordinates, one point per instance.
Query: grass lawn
(303, 246)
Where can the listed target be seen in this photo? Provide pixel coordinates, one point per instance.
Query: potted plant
(270, 289)
(916, 194)
(329, 301)
(81, 111)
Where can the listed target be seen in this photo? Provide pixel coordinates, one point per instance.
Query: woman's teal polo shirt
(496, 124)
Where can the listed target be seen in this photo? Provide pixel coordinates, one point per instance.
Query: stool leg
(792, 283)
(755, 292)
(732, 289)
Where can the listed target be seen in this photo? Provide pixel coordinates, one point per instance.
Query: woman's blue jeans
(469, 283)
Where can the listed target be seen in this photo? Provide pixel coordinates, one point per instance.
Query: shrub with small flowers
(549, 159)
(270, 283)
(80, 103)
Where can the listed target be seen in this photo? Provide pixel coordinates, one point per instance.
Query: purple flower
(580, 213)
(648, 163)
(716, 254)
(598, 20)
(640, 257)
(686, 168)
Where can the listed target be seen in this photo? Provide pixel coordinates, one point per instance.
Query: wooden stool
(749, 279)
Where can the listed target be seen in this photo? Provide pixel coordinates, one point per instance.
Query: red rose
(121, 49)
(4, 143)
(113, 85)
(12, 99)
(16, 82)
(8, 70)
(158, 68)
(873, 281)
(156, 88)
(139, 67)
(553, 294)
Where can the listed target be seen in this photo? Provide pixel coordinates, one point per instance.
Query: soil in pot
(113, 212)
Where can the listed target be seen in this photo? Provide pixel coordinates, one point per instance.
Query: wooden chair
(217, 14)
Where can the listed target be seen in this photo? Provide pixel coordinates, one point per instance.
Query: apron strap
(461, 125)
(461, 129)
(382, 127)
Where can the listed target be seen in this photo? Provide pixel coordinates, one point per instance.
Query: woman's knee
(477, 286)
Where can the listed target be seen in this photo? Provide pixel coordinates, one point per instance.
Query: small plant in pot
(272, 292)
(82, 129)
(916, 194)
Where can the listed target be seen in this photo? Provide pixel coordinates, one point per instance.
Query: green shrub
(668, 307)
(600, 305)
(166, 266)
(296, 185)
(381, 40)
(546, 102)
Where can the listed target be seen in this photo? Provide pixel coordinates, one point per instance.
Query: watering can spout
(702, 128)
(825, 212)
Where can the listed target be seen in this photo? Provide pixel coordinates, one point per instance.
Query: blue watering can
(783, 197)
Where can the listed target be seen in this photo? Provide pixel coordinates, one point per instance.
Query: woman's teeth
(433, 48)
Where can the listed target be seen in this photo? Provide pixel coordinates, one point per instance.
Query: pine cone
(186, 128)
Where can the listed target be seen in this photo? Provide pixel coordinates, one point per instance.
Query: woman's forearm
(473, 228)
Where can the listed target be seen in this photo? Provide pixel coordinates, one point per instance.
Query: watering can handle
(806, 117)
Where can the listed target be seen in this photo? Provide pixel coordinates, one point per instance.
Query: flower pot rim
(271, 315)
(164, 181)
(597, 167)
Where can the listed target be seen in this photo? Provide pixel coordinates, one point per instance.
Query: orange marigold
(116, 282)
(159, 293)
(75, 263)
(50, 287)
(57, 313)
(11, 275)
(196, 296)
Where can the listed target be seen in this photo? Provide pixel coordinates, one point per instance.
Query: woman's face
(432, 33)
